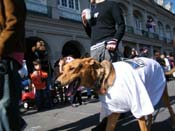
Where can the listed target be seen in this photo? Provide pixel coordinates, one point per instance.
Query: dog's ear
(88, 60)
(92, 62)
(80, 65)
(109, 75)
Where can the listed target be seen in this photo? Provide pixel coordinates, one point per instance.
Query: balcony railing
(38, 8)
(162, 38)
(70, 14)
(129, 29)
(153, 35)
(146, 34)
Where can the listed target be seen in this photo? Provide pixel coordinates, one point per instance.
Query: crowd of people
(165, 60)
(42, 79)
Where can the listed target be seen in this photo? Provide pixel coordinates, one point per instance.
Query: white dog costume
(138, 87)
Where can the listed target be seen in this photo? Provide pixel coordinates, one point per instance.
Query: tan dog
(111, 80)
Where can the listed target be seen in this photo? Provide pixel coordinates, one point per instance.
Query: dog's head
(89, 71)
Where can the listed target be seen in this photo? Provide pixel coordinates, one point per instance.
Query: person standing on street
(105, 25)
(12, 38)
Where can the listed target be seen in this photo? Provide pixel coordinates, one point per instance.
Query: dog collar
(98, 83)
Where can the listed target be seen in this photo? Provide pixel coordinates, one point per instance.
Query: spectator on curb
(39, 80)
(134, 53)
(143, 52)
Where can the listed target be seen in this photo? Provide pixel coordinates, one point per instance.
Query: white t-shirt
(136, 90)
(167, 64)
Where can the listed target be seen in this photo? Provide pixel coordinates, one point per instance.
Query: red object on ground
(28, 95)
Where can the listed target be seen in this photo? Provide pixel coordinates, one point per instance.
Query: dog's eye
(71, 68)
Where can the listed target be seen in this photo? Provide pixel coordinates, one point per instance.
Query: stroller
(28, 96)
(28, 93)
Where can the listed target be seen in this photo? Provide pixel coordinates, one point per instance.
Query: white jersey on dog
(135, 89)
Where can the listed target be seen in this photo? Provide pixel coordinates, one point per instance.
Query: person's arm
(86, 24)
(118, 17)
(44, 75)
(12, 11)
(87, 29)
(119, 20)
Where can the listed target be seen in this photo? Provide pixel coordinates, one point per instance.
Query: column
(145, 18)
(130, 17)
(53, 9)
(151, 51)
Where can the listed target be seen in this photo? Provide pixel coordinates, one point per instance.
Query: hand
(111, 45)
(61, 64)
(35, 73)
(83, 17)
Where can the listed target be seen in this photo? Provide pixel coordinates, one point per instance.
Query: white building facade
(58, 23)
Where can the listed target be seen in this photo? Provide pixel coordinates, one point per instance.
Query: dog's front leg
(112, 121)
(142, 124)
(149, 120)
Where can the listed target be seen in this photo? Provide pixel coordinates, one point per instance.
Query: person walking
(100, 25)
(12, 38)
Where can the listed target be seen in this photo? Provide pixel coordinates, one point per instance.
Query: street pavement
(86, 117)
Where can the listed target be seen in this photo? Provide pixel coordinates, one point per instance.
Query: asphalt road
(85, 117)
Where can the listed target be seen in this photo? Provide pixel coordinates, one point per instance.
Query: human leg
(38, 99)
(142, 124)
(79, 97)
(166, 101)
(112, 121)
(11, 95)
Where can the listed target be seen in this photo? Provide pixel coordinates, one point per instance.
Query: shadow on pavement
(79, 125)
(60, 105)
(132, 125)
(126, 124)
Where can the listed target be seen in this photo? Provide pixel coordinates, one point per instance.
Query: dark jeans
(10, 95)
(77, 96)
(41, 98)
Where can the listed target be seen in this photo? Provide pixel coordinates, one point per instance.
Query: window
(77, 4)
(64, 3)
(174, 32)
(72, 4)
(138, 21)
(160, 29)
(168, 32)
